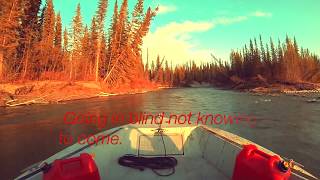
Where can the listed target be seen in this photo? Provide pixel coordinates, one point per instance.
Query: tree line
(35, 46)
(283, 62)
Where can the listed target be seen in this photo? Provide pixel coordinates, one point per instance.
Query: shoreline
(55, 92)
(266, 88)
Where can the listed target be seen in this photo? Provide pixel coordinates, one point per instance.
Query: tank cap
(283, 166)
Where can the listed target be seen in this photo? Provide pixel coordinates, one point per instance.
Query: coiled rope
(153, 163)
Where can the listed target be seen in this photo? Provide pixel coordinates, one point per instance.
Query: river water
(287, 125)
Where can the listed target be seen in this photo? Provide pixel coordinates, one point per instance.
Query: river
(287, 125)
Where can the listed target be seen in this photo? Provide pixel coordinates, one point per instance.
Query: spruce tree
(65, 40)
(9, 35)
(100, 18)
(75, 44)
(58, 33)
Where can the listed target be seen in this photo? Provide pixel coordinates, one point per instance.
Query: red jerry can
(76, 168)
(254, 164)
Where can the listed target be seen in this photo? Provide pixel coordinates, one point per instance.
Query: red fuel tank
(77, 168)
(254, 164)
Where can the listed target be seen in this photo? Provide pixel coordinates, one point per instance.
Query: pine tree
(66, 53)
(41, 22)
(268, 56)
(124, 47)
(65, 40)
(137, 19)
(48, 25)
(76, 36)
(282, 67)
(257, 59)
(236, 63)
(77, 30)
(113, 36)
(122, 62)
(29, 35)
(263, 52)
(85, 56)
(251, 69)
(159, 71)
(58, 33)
(103, 57)
(295, 44)
(274, 59)
(123, 25)
(46, 58)
(100, 17)
(9, 35)
(291, 58)
(93, 45)
(273, 52)
(101, 14)
(167, 77)
(146, 68)
(142, 31)
(152, 74)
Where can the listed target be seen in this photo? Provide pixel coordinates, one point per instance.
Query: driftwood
(40, 100)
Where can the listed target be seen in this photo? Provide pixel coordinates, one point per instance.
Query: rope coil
(153, 163)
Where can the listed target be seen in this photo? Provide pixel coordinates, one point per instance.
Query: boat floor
(187, 149)
(187, 168)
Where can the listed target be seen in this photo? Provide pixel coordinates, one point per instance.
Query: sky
(187, 30)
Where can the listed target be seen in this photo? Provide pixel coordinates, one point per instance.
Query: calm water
(287, 125)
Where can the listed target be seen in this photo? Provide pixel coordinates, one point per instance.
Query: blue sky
(192, 29)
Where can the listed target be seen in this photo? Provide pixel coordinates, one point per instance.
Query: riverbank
(297, 89)
(53, 92)
(260, 85)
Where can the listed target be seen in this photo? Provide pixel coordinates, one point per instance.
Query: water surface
(287, 125)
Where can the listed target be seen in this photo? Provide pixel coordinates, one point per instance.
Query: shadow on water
(287, 125)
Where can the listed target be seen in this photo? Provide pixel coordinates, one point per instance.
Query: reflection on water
(287, 125)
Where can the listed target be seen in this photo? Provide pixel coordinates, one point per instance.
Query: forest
(264, 63)
(35, 46)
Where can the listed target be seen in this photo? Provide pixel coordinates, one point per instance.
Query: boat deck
(201, 152)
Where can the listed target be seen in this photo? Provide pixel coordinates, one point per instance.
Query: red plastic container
(254, 164)
(77, 168)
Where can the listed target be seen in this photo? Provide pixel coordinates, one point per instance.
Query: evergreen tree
(152, 74)
(142, 31)
(93, 44)
(274, 59)
(46, 58)
(263, 52)
(48, 25)
(123, 25)
(273, 52)
(100, 18)
(282, 67)
(75, 44)
(137, 19)
(9, 35)
(85, 56)
(58, 33)
(29, 35)
(65, 40)
(113, 36)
